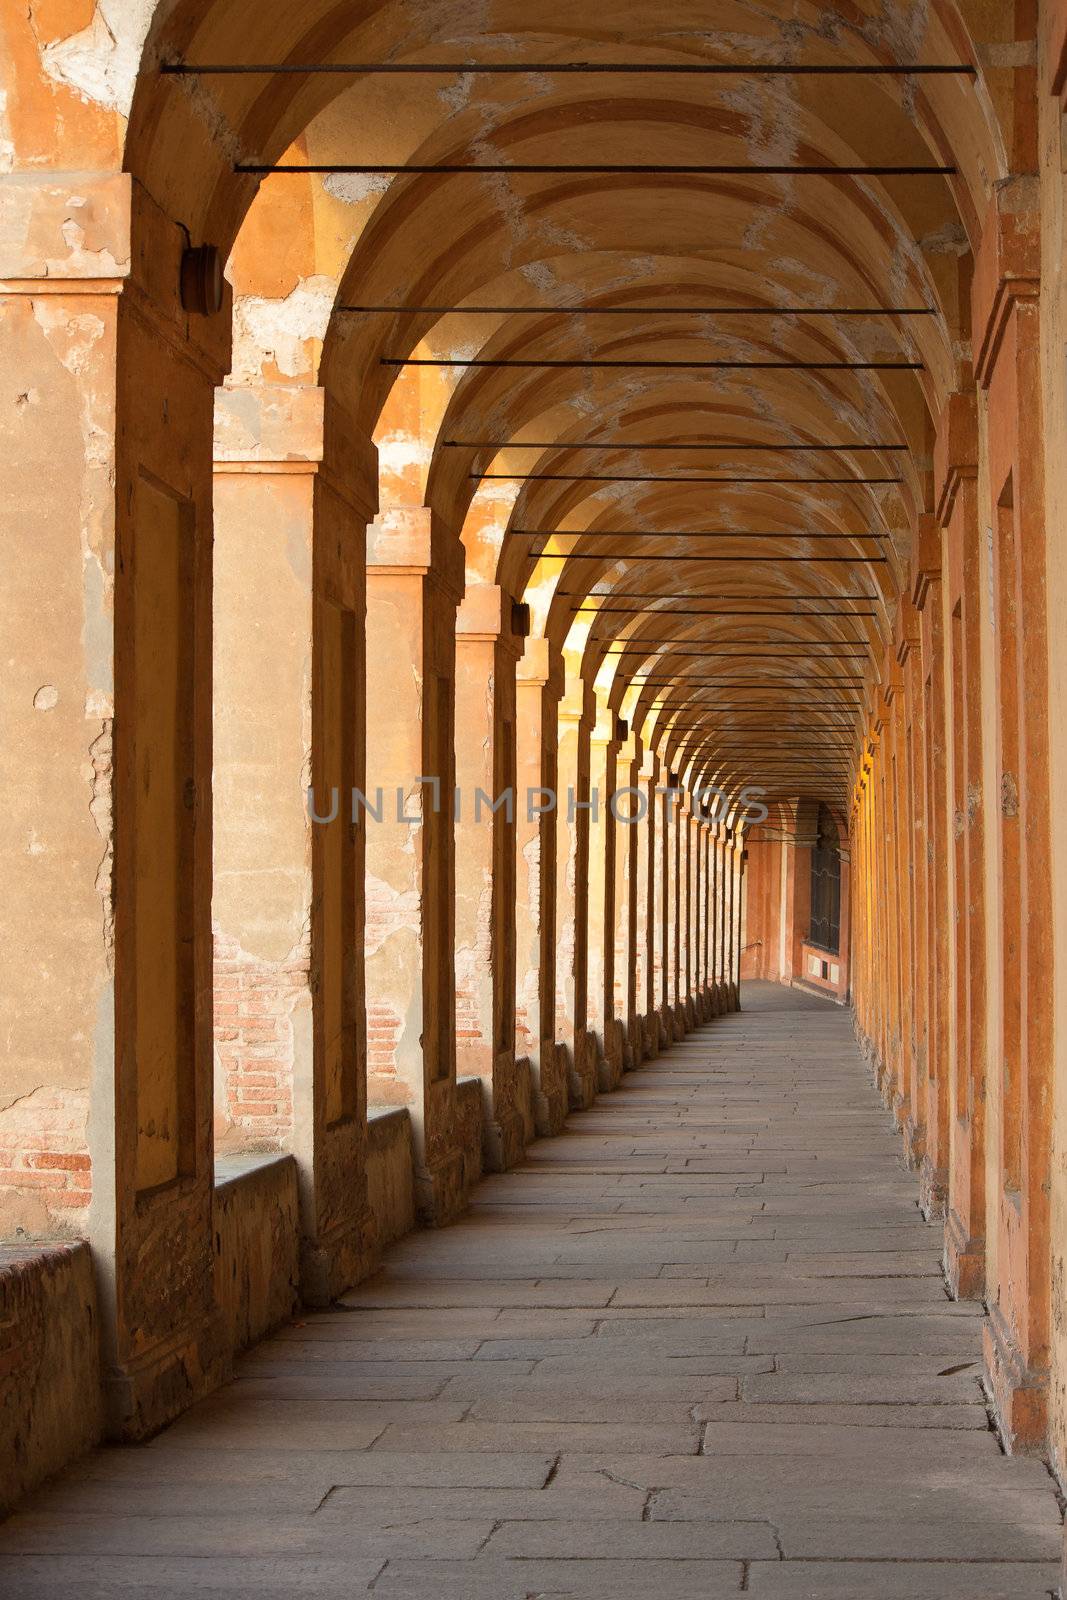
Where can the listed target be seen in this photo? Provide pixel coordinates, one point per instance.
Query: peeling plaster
(278, 330)
(389, 911)
(356, 188)
(7, 145)
(101, 62)
(100, 754)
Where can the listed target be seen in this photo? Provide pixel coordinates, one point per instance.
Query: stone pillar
(106, 481)
(955, 460)
(290, 1029)
(912, 847)
(486, 652)
(1019, 1290)
(707, 913)
(605, 1033)
(572, 899)
(675, 907)
(692, 921)
(414, 583)
(643, 851)
(539, 685)
(733, 883)
(626, 954)
(926, 593)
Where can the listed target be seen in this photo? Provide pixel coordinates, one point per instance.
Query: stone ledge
(390, 1171)
(256, 1229)
(50, 1358)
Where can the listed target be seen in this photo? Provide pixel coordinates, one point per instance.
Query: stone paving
(699, 1345)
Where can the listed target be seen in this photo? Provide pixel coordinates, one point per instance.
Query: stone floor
(698, 1345)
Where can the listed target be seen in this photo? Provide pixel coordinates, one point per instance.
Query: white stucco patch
(355, 188)
(101, 62)
(267, 329)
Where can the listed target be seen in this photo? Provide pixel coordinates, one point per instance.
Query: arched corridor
(534, 613)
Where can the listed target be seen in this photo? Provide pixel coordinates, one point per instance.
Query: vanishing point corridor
(699, 1344)
(533, 871)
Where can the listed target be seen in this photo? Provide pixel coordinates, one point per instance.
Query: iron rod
(591, 169)
(664, 366)
(636, 561)
(629, 444)
(623, 477)
(722, 69)
(642, 311)
(683, 533)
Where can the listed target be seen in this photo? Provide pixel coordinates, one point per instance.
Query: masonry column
(707, 980)
(913, 848)
(489, 634)
(106, 478)
(414, 583)
(689, 872)
(659, 872)
(605, 1032)
(290, 1029)
(539, 685)
(956, 470)
(624, 934)
(576, 717)
(643, 849)
(926, 593)
(1019, 1289)
(733, 878)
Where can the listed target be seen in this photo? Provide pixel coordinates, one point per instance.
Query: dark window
(825, 886)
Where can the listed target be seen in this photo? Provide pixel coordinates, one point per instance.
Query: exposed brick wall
(384, 1088)
(467, 1021)
(254, 1048)
(45, 1170)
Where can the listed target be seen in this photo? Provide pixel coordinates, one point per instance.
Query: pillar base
(549, 1081)
(964, 1261)
(914, 1142)
(441, 1191)
(142, 1395)
(550, 1111)
(933, 1190)
(581, 1072)
(504, 1141)
(334, 1262)
(1019, 1393)
(609, 1058)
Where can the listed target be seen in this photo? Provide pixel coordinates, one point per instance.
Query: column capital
(1007, 267)
(269, 427)
(409, 541)
(102, 235)
(541, 666)
(955, 450)
(485, 617)
(926, 560)
(291, 429)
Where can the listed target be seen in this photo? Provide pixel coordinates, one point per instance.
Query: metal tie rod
(640, 311)
(707, 69)
(638, 477)
(677, 611)
(591, 169)
(631, 444)
(682, 533)
(575, 363)
(639, 561)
